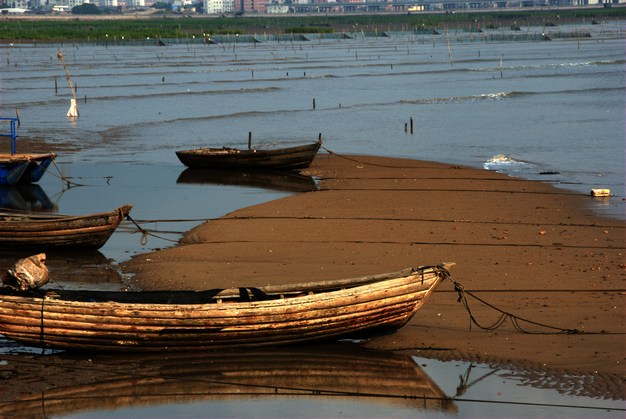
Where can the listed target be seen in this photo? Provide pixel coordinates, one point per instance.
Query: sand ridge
(525, 247)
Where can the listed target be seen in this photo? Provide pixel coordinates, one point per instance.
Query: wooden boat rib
(27, 230)
(289, 158)
(234, 318)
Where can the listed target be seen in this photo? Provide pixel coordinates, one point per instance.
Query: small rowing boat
(218, 318)
(28, 230)
(288, 158)
(21, 168)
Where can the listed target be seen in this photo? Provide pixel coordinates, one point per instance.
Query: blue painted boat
(11, 171)
(21, 168)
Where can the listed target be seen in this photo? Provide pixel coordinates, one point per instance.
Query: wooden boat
(28, 230)
(21, 168)
(289, 158)
(212, 319)
(65, 384)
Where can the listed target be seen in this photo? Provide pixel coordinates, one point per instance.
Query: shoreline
(523, 246)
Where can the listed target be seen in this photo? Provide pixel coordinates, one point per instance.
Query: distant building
(16, 6)
(218, 7)
(276, 8)
(58, 5)
(250, 6)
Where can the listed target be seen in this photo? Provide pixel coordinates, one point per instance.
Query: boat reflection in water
(62, 384)
(284, 181)
(26, 197)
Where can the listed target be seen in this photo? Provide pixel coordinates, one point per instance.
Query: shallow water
(325, 381)
(551, 111)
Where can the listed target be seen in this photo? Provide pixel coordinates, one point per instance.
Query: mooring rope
(41, 332)
(68, 182)
(504, 315)
(332, 153)
(145, 233)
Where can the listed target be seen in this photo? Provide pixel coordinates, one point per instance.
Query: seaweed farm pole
(73, 111)
(449, 48)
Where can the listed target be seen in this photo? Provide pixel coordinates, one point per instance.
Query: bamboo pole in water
(73, 111)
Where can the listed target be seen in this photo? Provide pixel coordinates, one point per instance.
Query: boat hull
(23, 168)
(192, 321)
(291, 158)
(26, 230)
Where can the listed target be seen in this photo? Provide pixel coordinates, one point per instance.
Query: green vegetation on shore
(81, 28)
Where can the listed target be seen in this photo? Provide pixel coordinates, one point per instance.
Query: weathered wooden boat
(289, 158)
(212, 319)
(21, 168)
(28, 230)
(64, 384)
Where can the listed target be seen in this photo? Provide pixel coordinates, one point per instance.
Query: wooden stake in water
(73, 111)
(449, 48)
(501, 67)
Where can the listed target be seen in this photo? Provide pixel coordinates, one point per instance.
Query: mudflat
(523, 248)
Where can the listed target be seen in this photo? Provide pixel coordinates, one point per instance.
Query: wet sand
(524, 247)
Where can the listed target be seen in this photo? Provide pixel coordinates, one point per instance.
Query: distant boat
(289, 158)
(216, 319)
(21, 168)
(28, 230)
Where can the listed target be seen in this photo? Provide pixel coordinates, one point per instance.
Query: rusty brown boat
(288, 158)
(219, 318)
(29, 230)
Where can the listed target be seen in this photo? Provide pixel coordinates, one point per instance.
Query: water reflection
(524, 390)
(26, 197)
(62, 384)
(275, 180)
(322, 381)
